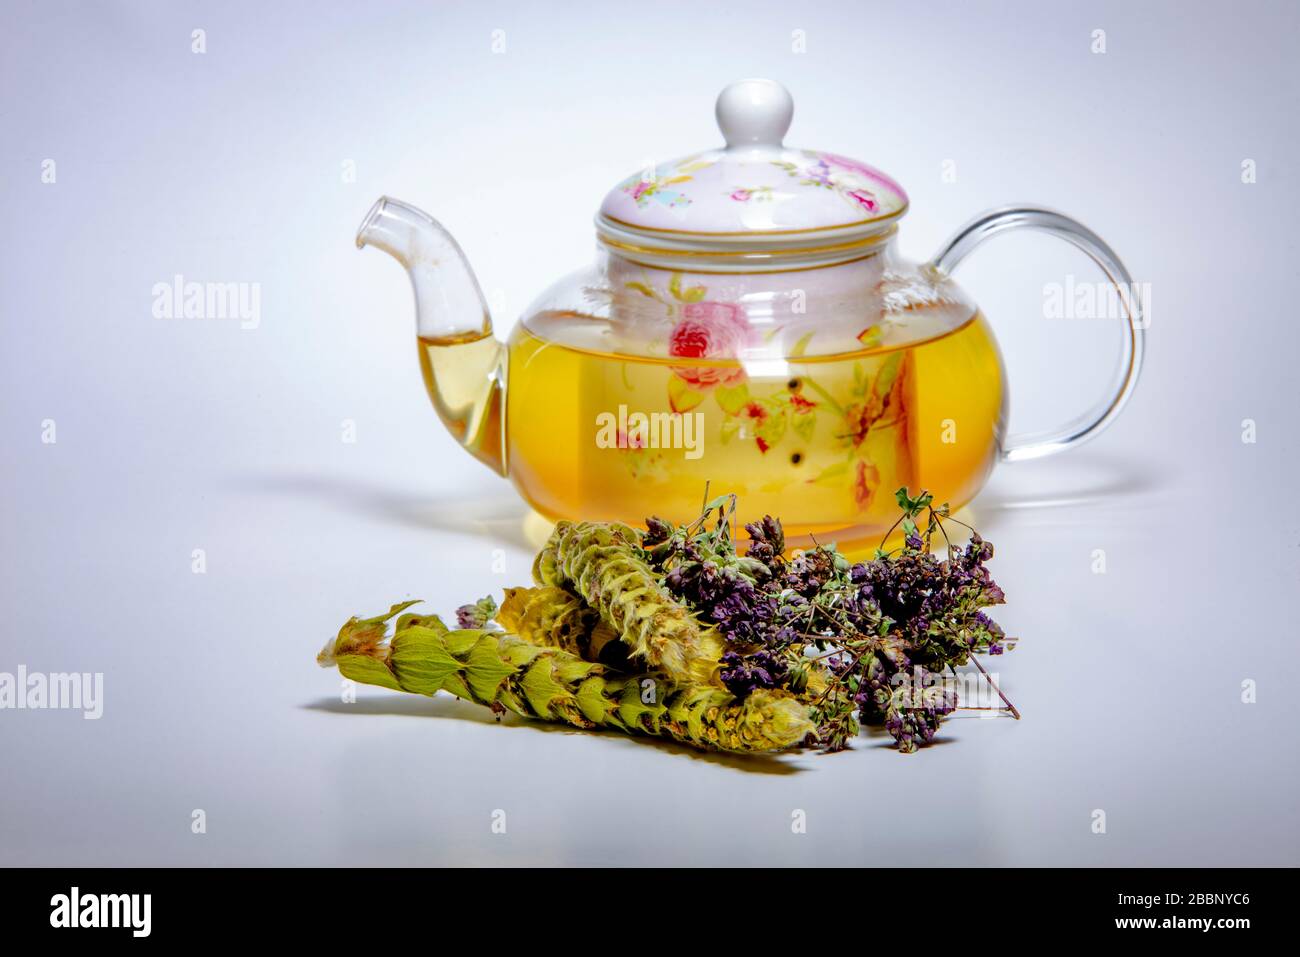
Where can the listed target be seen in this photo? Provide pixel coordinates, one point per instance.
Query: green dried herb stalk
(602, 564)
(506, 673)
(555, 618)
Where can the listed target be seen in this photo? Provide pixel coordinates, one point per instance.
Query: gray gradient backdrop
(174, 435)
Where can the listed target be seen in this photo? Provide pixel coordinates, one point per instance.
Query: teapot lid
(755, 193)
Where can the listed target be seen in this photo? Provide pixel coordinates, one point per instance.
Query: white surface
(183, 434)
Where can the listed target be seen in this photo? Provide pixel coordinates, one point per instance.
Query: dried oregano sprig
(874, 640)
(505, 673)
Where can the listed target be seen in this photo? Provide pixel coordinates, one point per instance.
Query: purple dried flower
(766, 541)
(478, 615)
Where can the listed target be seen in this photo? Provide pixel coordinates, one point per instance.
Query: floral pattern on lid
(755, 185)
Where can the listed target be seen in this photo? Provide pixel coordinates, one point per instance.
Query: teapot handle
(1017, 448)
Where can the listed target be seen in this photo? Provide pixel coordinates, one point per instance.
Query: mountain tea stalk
(602, 563)
(554, 618)
(506, 673)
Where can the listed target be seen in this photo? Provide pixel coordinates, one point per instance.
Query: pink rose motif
(863, 199)
(852, 184)
(742, 195)
(710, 330)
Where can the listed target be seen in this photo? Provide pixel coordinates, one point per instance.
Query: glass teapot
(747, 323)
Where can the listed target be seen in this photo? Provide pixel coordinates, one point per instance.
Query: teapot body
(812, 394)
(747, 326)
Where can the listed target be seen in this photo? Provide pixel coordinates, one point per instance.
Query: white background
(175, 435)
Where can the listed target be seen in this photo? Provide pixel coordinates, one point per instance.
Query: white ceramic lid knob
(754, 113)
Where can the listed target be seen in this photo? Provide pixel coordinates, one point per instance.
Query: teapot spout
(448, 301)
(463, 366)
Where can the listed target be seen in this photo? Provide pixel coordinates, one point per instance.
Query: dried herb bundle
(673, 632)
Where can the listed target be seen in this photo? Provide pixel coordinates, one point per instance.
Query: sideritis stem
(504, 672)
(555, 618)
(599, 562)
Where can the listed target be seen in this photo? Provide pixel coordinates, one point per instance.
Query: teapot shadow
(444, 706)
(1091, 480)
